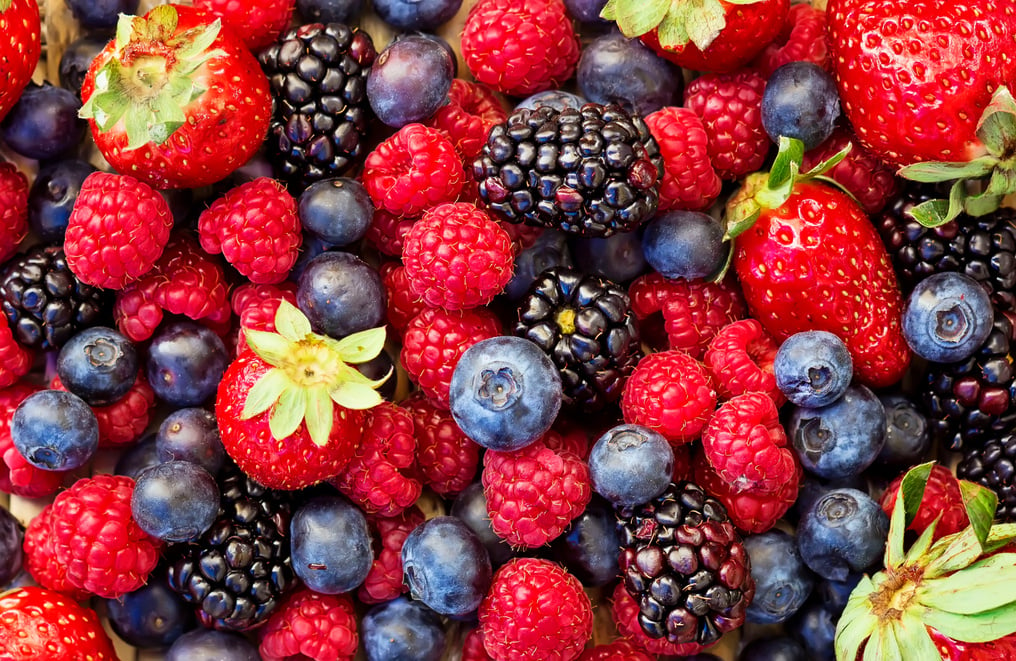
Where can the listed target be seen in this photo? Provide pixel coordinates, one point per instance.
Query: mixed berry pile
(653, 307)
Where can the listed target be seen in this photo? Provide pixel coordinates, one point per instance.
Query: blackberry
(591, 171)
(586, 325)
(685, 566)
(45, 303)
(320, 113)
(994, 465)
(238, 571)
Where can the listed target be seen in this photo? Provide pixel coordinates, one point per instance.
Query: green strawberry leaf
(288, 412)
(361, 346)
(952, 553)
(894, 552)
(914, 637)
(997, 125)
(981, 204)
(741, 217)
(125, 27)
(1000, 536)
(873, 650)
(787, 162)
(934, 172)
(857, 623)
(609, 11)
(828, 164)
(162, 21)
(980, 503)
(891, 649)
(980, 628)
(5, 5)
(196, 42)
(912, 488)
(704, 21)
(672, 32)
(291, 323)
(974, 589)
(637, 17)
(319, 415)
(918, 550)
(935, 213)
(357, 396)
(265, 392)
(272, 348)
(1001, 183)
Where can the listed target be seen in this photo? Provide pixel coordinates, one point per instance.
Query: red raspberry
(122, 422)
(256, 306)
(740, 359)
(414, 169)
(571, 436)
(747, 446)
(456, 257)
(864, 175)
(618, 650)
(534, 493)
(730, 105)
(308, 625)
(256, 228)
(751, 512)
(384, 581)
(473, 648)
(802, 39)
(626, 612)
(13, 209)
(380, 477)
(689, 180)
(672, 393)
(403, 304)
(471, 111)
(435, 339)
(520, 47)
(941, 497)
(96, 538)
(15, 360)
(40, 557)
(387, 231)
(688, 312)
(117, 230)
(535, 611)
(17, 476)
(258, 24)
(445, 457)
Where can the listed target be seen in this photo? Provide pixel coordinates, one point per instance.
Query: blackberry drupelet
(45, 303)
(685, 565)
(239, 570)
(320, 113)
(994, 466)
(592, 171)
(586, 325)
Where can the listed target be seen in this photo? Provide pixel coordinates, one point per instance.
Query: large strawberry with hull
(37, 623)
(20, 47)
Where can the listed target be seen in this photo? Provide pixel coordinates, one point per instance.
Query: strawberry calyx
(5, 5)
(309, 374)
(677, 22)
(151, 77)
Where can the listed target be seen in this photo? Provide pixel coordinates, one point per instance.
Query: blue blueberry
(44, 123)
(800, 101)
(424, 15)
(630, 465)
(556, 99)
(77, 58)
(589, 547)
(186, 361)
(101, 13)
(908, 437)
(813, 368)
(782, 581)
(777, 648)
(446, 566)
(402, 630)
(329, 11)
(947, 317)
(338, 211)
(814, 627)
(98, 364)
(813, 487)
(409, 80)
(471, 507)
(341, 294)
(684, 244)
(842, 532)
(586, 11)
(331, 545)
(505, 392)
(191, 434)
(618, 257)
(311, 247)
(153, 616)
(835, 594)
(175, 501)
(841, 439)
(52, 196)
(55, 430)
(211, 645)
(11, 553)
(138, 457)
(616, 69)
(549, 250)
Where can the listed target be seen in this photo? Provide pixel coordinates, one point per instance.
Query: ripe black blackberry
(45, 303)
(592, 171)
(684, 564)
(320, 113)
(586, 325)
(994, 466)
(238, 571)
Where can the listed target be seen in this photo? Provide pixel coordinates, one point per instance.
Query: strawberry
(257, 23)
(176, 99)
(36, 623)
(20, 48)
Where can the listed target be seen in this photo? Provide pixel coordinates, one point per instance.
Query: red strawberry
(20, 48)
(36, 624)
(942, 498)
(257, 23)
(13, 209)
(953, 650)
(176, 99)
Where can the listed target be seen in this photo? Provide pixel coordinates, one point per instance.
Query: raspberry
(256, 306)
(689, 180)
(802, 39)
(14, 209)
(17, 476)
(387, 231)
(122, 422)
(534, 493)
(520, 47)
(730, 105)
(473, 648)
(445, 457)
(626, 612)
(380, 476)
(672, 393)
(257, 23)
(117, 230)
(435, 339)
(15, 360)
(691, 312)
(256, 228)
(751, 512)
(740, 359)
(40, 557)
(864, 175)
(941, 497)
(747, 446)
(414, 169)
(384, 581)
(95, 537)
(308, 625)
(456, 257)
(467, 118)
(535, 611)
(619, 650)
(403, 304)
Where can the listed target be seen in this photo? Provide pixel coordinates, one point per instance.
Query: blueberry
(55, 430)
(813, 368)
(616, 69)
(684, 244)
(135, 459)
(782, 581)
(630, 465)
(153, 616)
(77, 58)
(311, 247)
(814, 627)
(812, 488)
(908, 437)
(185, 363)
(471, 507)
(549, 250)
(191, 434)
(800, 101)
(44, 123)
(338, 211)
(556, 99)
(52, 196)
(402, 630)
(618, 257)
(329, 11)
(210, 645)
(505, 392)
(101, 13)
(409, 80)
(331, 545)
(586, 11)
(778, 648)
(98, 364)
(175, 501)
(947, 317)
(341, 294)
(11, 553)
(408, 15)
(589, 547)
(446, 566)
(841, 439)
(844, 531)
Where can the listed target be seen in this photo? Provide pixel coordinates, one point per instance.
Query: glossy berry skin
(19, 50)
(186, 361)
(549, 250)
(423, 15)
(76, 59)
(328, 11)
(409, 80)
(175, 501)
(55, 430)
(800, 101)
(684, 244)
(98, 365)
(615, 69)
(446, 566)
(41, 624)
(153, 616)
(947, 317)
(586, 11)
(210, 645)
(841, 439)
(630, 465)
(813, 368)
(190, 434)
(588, 548)
(44, 123)
(338, 211)
(618, 257)
(471, 507)
(556, 99)
(331, 545)
(341, 294)
(782, 581)
(100, 13)
(843, 531)
(779, 648)
(908, 436)
(137, 458)
(52, 197)
(402, 629)
(11, 554)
